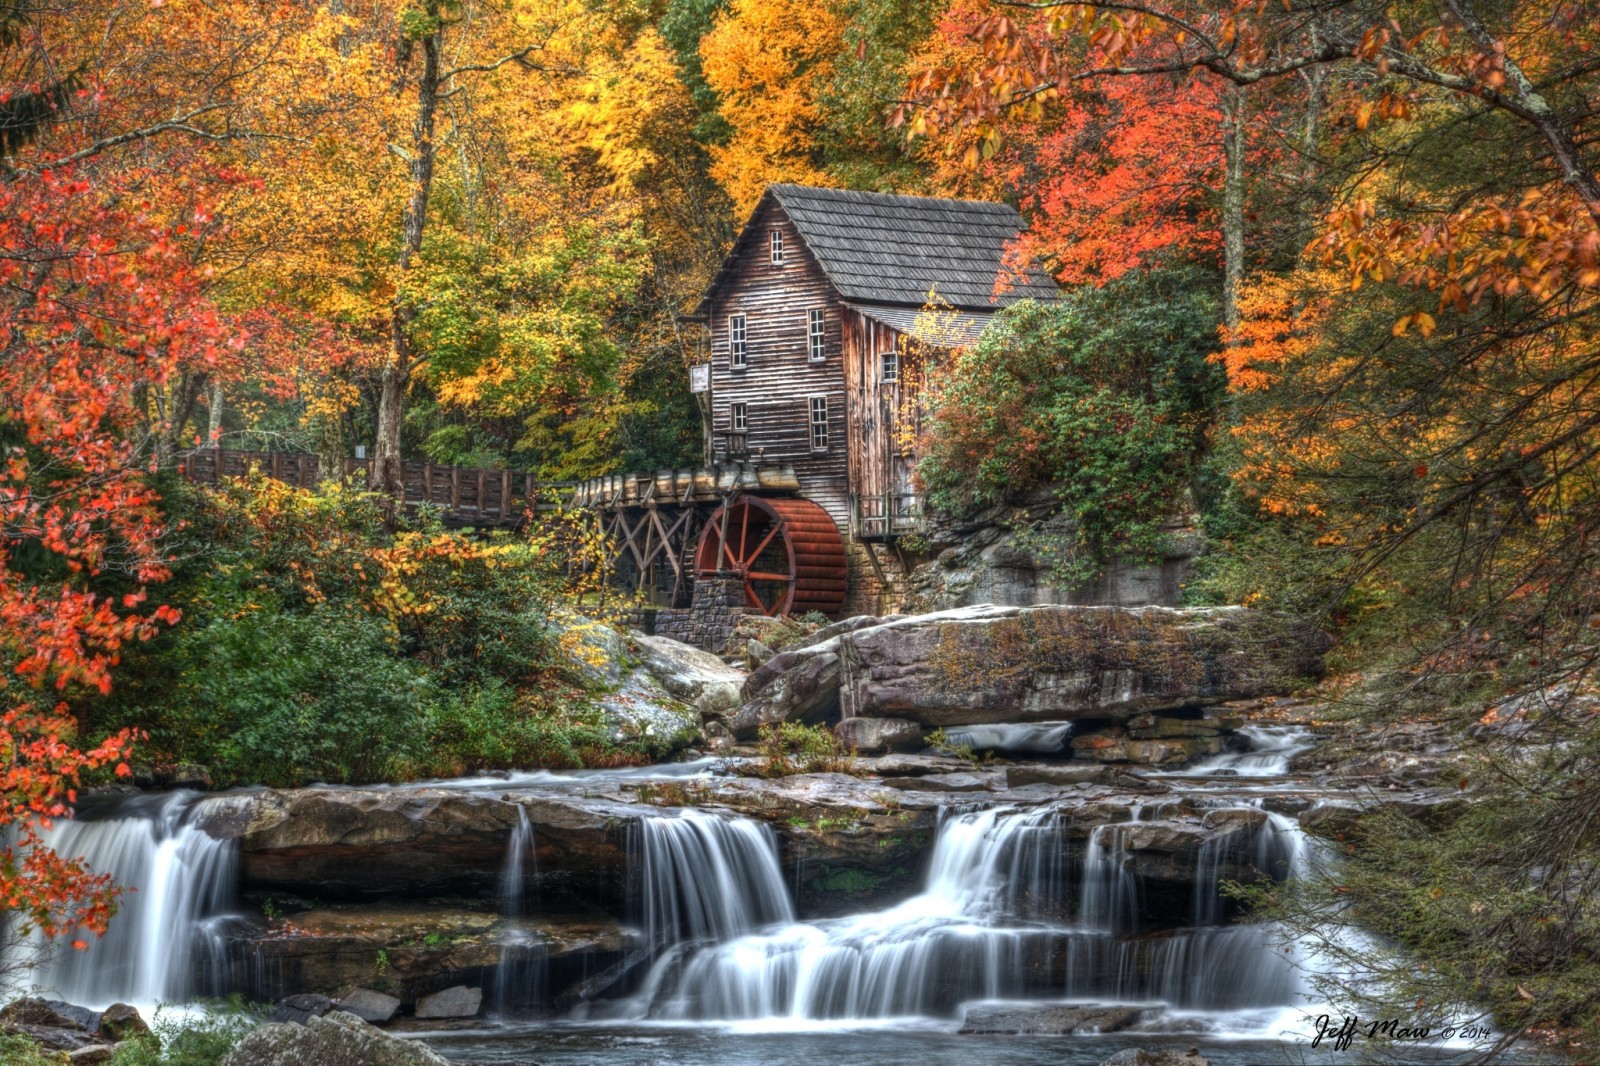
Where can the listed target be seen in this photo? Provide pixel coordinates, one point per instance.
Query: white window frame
(889, 366)
(817, 335)
(775, 247)
(819, 425)
(739, 417)
(738, 341)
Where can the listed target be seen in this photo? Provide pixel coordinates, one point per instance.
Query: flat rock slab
(878, 734)
(457, 1002)
(1069, 774)
(1047, 1020)
(945, 783)
(373, 1007)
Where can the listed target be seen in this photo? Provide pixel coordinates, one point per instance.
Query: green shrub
(795, 748)
(1107, 396)
(18, 1050)
(267, 696)
(473, 608)
(492, 727)
(187, 1040)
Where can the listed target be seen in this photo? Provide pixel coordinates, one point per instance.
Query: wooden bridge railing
(467, 495)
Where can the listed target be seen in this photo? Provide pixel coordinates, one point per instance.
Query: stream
(1007, 914)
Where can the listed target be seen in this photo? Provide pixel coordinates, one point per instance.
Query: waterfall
(981, 928)
(519, 977)
(1272, 748)
(165, 943)
(1032, 738)
(706, 877)
(1108, 900)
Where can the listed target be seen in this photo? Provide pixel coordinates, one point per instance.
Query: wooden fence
(467, 496)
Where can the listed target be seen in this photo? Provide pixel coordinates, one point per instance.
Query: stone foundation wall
(709, 621)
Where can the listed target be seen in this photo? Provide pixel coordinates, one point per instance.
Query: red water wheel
(787, 551)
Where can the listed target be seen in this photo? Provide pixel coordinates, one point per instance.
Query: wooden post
(427, 482)
(455, 489)
(505, 495)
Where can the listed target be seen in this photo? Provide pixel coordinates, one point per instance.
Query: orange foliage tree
(101, 310)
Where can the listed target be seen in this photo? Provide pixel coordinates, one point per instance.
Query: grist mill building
(818, 323)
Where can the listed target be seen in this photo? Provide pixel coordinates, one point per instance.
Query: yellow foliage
(769, 61)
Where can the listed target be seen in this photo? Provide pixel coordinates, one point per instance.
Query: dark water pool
(570, 1045)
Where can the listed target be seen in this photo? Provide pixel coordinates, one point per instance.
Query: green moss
(854, 881)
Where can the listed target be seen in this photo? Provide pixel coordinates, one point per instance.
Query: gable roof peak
(888, 248)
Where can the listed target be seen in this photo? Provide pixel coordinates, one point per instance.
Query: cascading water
(520, 976)
(1027, 738)
(706, 877)
(165, 943)
(1272, 748)
(980, 929)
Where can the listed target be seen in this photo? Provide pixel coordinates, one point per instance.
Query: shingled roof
(881, 249)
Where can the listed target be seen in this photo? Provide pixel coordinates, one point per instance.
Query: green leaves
(1106, 396)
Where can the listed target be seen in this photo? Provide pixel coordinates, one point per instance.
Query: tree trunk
(214, 414)
(1233, 209)
(178, 408)
(386, 473)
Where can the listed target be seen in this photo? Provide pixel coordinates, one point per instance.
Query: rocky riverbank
(1133, 782)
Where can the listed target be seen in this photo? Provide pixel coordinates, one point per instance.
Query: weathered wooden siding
(779, 379)
(870, 402)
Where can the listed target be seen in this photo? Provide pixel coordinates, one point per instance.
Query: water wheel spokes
(787, 553)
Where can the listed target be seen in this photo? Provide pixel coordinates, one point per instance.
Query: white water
(519, 977)
(1032, 738)
(1272, 748)
(165, 942)
(706, 877)
(980, 929)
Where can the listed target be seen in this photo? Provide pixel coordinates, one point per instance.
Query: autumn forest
(1329, 309)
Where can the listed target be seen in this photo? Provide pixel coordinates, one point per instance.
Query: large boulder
(1138, 1056)
(120, 1022)
(51, 1023)
(457, 1002)
(642, 712)
(1006, 554)
(336, 1039)
(797, 686)
(980, 665)
(872, 736)
(372, 1007)
(707, 684)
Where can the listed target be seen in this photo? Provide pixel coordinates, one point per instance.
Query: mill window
(738, 350)
(819, 423)
(741, 418)
(817, 334)
(777, 248)
(891, 367)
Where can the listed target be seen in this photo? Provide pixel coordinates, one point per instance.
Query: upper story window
(777, 247)
(816, 334)
(890, 363)
(738, 347)
(819, 423)
(741, 417)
